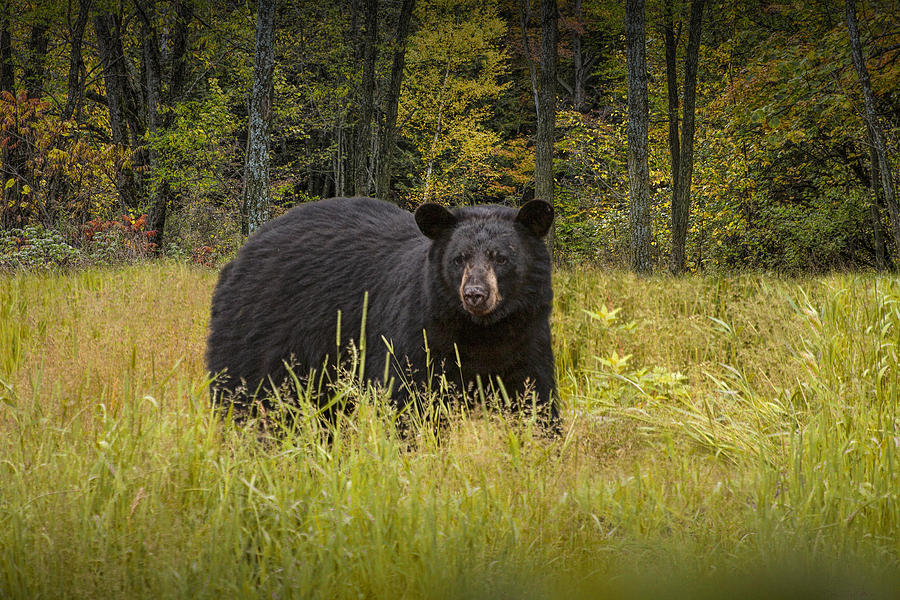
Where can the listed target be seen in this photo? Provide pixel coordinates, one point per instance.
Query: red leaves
(126, 224)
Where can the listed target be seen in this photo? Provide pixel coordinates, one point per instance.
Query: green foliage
(453, 74)
(35, 248)
(781, 173)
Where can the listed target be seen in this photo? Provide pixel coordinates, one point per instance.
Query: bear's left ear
(536, 216)
(433, 220)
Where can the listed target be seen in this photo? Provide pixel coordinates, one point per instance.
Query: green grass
(724, 437)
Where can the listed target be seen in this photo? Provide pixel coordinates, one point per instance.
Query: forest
(133, 129)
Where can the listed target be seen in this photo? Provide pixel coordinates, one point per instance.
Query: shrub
(111, 242)
(35, 247)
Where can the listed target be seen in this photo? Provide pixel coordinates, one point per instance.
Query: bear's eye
(458, 260)
(501, 259)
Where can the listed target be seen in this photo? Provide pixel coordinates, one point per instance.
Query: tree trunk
(256, 169)
(76, 64)
(638, 128)
(159, 197)
(671, 43)
(877, 133)
(338, 158)
(437, 133)
(524, 18)
(179, 55)
(7, 79)
(546, 112)
(578, 96)
(7, 84)
(392, 103)
(33, 70)
(881, 257)
(366, 106)
(681, 205)
(118, 98)
(113, 76)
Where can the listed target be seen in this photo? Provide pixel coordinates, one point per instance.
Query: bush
(113, 242)
(35, 247)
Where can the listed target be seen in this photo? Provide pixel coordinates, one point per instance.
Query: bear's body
(477, 281)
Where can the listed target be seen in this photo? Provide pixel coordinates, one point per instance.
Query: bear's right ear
(536, 216)
(434, 220)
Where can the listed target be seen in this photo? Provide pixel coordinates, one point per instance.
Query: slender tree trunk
(578, 96)
(33, 71)
(179, 55)
(118, 99)
(256, 169)
(76, 63)
(671, 43)
(7, 84)
(524, 18)
(392, 103)
(881, 259)
(546, 113)
(366, 100)
(877, 133)
(638, 128)
(681, 205)
(113, 76)
(437, 134)
(58, 184)
(159, 197)
(338, 159)
(31, 205)
(7, 79)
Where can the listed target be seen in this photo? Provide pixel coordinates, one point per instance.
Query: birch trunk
(256, 166)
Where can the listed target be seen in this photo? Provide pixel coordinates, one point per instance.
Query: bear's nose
(474, 295)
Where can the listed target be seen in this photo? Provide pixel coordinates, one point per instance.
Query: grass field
(731, 437)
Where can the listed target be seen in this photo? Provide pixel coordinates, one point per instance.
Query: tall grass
(723, 436)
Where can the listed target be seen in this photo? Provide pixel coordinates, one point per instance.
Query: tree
(681, 201)
(544, 91)
(33, 70)
(388, 135)
(671, 45)
(7, 86)
(121, 100)
(7, 81)
(638, 127)
(76, 62)
(153, 86)
(453, 81)
(546, 109)
(579, 70)
(256, 166)
(874, 124)
(365, 99)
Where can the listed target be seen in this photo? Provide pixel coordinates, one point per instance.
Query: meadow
(723, 436)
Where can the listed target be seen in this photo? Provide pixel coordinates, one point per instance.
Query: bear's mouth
(479, 310)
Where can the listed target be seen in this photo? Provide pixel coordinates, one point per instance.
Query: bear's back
(355, 217)
(281, 294)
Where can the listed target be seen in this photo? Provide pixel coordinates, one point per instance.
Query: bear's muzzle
(478, 290)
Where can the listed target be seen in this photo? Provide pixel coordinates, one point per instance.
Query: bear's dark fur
(476, 279)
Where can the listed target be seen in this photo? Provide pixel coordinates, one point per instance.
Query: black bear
(470, 284)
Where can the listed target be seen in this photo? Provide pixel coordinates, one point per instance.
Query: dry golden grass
(712, 425)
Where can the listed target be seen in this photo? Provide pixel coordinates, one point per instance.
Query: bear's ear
(433, 220)
(536, 216)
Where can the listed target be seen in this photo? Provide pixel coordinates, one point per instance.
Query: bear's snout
(475, 295)
(478, 290)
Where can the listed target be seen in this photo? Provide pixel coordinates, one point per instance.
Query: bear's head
(487, 256)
